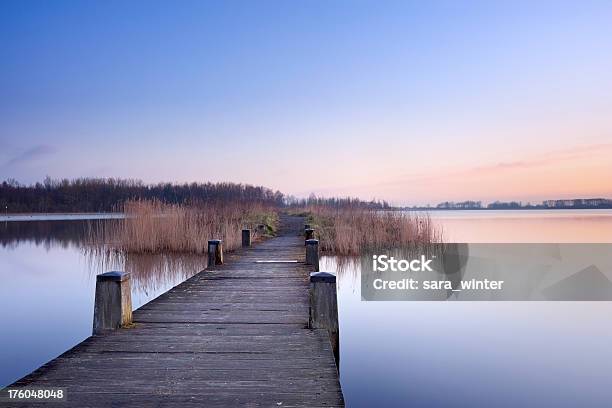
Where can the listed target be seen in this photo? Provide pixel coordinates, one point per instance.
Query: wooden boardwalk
(233, 335)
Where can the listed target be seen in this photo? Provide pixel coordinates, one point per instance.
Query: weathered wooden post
(309, 233)
(324, 308)
(113, 302)
(215, 252)
(312, 253)
(246, 237)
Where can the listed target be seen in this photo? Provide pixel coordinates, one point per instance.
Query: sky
(411, 102)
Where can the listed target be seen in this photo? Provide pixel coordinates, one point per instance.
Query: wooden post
(246, 237)
(312, 253)
(324, 308)
(113, 302)
(309, 233)
(215, 252)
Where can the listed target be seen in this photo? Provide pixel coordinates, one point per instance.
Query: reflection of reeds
(150, 273)
(162, 244)
(156, 227)
(350, 231)
(48, 234)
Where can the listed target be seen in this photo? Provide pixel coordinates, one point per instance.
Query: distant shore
(503, 209)
(60, 216)
(116, 215)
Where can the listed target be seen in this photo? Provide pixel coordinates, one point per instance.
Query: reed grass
(152, 226)
(354, 231)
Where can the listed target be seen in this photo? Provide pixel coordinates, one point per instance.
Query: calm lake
(476, 354)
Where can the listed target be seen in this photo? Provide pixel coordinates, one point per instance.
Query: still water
(48, 283)
(472, 354)
(479, 354)
(548, 226)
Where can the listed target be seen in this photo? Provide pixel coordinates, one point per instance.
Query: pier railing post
(246, 237)
(215, 252)
(309, 233)
(324, 308)
(113, 303)
(312, 253)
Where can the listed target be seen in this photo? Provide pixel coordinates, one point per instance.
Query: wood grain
(233, 335)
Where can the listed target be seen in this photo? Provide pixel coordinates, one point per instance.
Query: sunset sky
(412, 102)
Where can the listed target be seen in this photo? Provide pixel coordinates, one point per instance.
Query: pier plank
(232, 335)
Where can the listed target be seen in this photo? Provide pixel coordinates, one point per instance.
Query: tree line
(107, 195)
(337, 202)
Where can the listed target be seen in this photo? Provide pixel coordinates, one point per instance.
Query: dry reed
(348, 231)
(156, 227)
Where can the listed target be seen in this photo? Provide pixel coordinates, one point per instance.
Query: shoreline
(60, 216)
(114, 216)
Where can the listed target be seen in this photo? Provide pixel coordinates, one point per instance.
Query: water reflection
(150, 273)
(469, 354)
(487, 226)
(48, 271)
(48, 234)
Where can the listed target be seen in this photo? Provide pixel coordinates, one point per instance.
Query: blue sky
(413, 102)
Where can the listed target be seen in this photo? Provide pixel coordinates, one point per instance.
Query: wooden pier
(233, 335)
